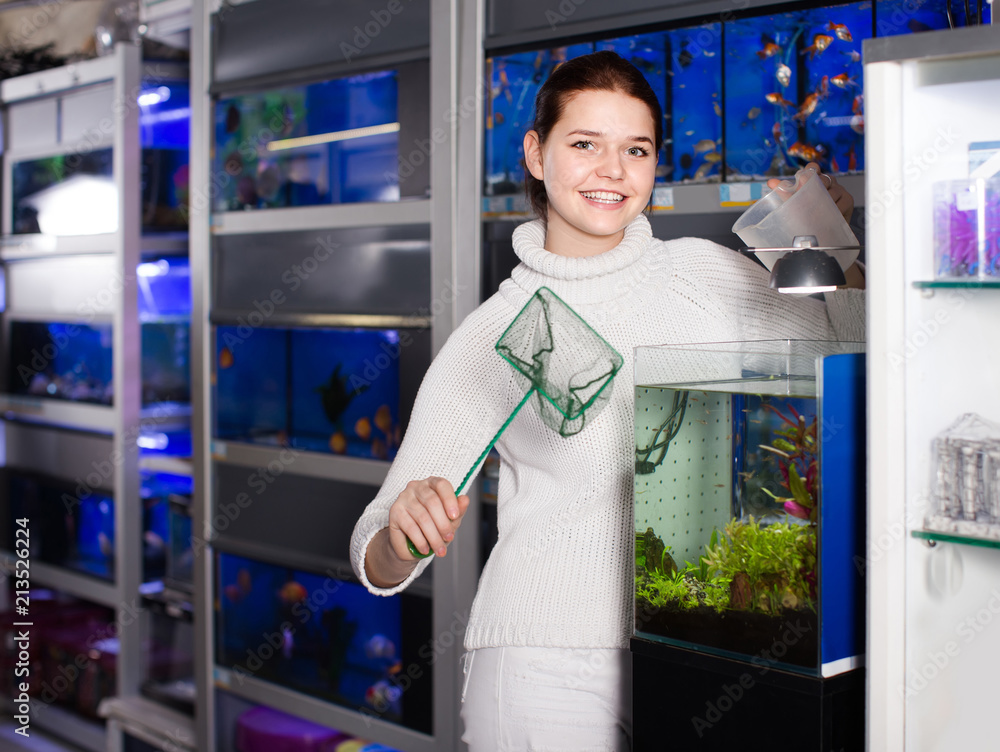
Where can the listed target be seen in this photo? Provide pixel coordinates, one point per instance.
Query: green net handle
(479, 459)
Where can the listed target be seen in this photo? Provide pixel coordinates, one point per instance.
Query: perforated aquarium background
(744, 97)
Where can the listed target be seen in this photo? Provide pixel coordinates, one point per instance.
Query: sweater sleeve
(458, 408)
(764, 313)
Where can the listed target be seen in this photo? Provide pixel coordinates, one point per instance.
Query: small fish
(770, 49)
(338, 443)
(778, 132)
(823, 90)
(842, 81)
(713, 156)
(383, 419)
(336, 396)
(754, 113)
(859, 103)
(717, 108)
(702, 172)
(854, 55)
(783, 74)
(380, 646)
(748, 475)
(808, 105)
(820, 43)
(498, 118)
(703, 422)
(363, 428)
(834, 167)
(244, 581)
(225, 358)
(775, 98)
(685, 58)
(719, 485)
(232, 593)
(842, 32)
(858, 123)
(809, 154)
(292, 592)
(688, 133)
(686, 161)
(379, 449)
(852, 160)
(706, 144)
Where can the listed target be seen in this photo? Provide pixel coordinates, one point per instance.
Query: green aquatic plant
(768, 568)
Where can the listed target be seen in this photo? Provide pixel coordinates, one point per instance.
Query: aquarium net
(565, 361)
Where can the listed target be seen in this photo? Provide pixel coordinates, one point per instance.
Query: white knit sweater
(560, 574)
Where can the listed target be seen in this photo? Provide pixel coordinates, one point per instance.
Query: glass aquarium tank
(331, 142)
(323, 636)
(61, 360)
(798, 96)
(75, 193)
(894, 17)
(164, 303)
(323, 390)
(158, 492)
(749, 500)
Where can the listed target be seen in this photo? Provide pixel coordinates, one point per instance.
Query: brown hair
(598, 71)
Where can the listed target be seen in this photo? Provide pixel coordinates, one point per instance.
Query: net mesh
(565, 361)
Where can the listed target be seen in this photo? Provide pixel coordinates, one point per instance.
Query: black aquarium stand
(691, 701)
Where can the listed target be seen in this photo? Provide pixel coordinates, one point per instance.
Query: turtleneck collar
(583, 280)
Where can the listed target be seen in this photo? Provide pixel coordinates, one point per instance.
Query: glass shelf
(956, 284)
(933, 535)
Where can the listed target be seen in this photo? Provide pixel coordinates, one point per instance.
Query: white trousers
(547, 700)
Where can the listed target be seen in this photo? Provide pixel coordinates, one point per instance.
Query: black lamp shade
(806, 270)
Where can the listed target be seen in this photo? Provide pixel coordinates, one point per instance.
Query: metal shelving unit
(436, 223)
(88, 279)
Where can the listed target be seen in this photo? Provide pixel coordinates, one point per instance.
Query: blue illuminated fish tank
(74, 193)
(749, 492)
(73, 525)
(323, 390)
(325, 637)
(797, 96)
(330, 142)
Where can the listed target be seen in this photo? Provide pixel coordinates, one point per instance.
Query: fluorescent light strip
(326, 138)
(807, 290)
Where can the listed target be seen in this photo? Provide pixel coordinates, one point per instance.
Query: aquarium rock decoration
(966, 480)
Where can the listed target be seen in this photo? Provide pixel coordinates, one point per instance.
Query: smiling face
(598, 165)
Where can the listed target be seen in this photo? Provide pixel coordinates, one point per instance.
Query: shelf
(155, 463)
(310, 464)
(66, 580)
(14, 247)
(374, 214)
(965, 540)
(326, 320)
(59, 79)
(173, 603)
(64, 724)
(82, 416)
(957, 284)
(151, 722)
(364, 725)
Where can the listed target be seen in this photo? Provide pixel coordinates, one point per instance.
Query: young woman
(548, 664)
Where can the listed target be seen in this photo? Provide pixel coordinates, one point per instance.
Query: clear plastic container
(967, 228)
(800, 207)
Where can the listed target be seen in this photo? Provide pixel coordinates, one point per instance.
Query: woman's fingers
(428, 513)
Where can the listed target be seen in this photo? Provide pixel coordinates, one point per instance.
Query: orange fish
(852, 160)
(233, 594)
(338, 443)
(244, 581)
(363, 428)
(806, 152)
(775, 98)
(383, 419)
(225, 358)
(842, 81)
(808, 105)
(778, 133)
(824, 87)
(842, 32)
(292, 592)
(859, 102)
(379, 449)
(820, 43)
(770, 50)
(834, 167)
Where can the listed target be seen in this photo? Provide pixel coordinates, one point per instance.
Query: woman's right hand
(428, 513)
